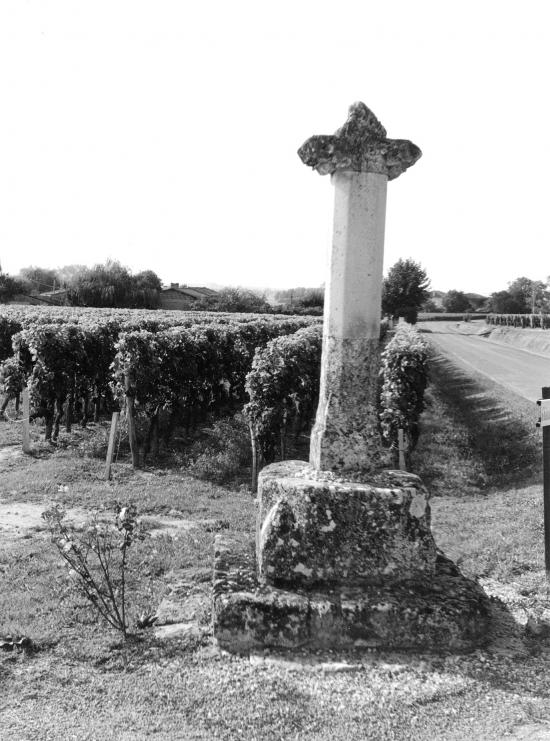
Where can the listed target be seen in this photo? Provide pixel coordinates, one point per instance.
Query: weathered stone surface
(359, 145)
(325, 530)
(441, 611)
(188, 599)
(345, 436)
(188, 632)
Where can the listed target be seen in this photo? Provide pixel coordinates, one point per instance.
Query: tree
(503, 302)
(147, 279)
(313, 298)
(69, 274)
(236, 300)
(456, 301)
(40, 279)
(10, 287)
(146, 289)
(404, 290)
(532, 293)
(429, 306)
(523, 296)
(113, 285)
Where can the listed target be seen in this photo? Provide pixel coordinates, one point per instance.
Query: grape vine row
(533, 321)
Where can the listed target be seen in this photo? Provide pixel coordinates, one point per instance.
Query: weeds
(223, 455)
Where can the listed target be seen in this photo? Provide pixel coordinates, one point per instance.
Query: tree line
(112, 285)
(103, 285)
(405, 292)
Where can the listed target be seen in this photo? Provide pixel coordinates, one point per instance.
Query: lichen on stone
(359, 145)
(313, 531)
(345, 435)
(442, 610)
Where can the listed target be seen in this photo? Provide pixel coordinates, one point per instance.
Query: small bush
(404, 376)
(224, 454)
(97, 559)
(12, 381)
(95, 444)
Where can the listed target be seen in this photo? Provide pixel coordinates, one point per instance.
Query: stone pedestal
(322, 529)
(444, 611)
(339, 564)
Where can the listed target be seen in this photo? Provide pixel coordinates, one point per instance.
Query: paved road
(518, 370)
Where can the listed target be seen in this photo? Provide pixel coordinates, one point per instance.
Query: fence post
(254, 444)
(26, 421)
(401, 445)
(130, 394)
(546, 486)
(132, 436)
(111, 448)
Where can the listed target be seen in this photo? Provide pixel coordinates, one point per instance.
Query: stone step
(442, 611)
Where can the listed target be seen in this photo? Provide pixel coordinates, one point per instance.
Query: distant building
(23, 298)
(56, 297)
(183, 297)
(437, 298)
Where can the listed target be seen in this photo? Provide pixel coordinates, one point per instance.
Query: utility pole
(544, 422)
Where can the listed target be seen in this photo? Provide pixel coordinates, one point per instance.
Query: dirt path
(21, 519)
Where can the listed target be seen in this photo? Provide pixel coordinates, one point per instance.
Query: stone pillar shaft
(361, 160)
(345, 435)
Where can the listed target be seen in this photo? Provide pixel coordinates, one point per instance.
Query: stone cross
(361, 159)
(345, 558)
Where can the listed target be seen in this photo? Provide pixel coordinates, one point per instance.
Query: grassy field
(480, 456)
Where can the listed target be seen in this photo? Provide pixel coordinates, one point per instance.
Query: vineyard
(166, 368)
(531, 321)
(283, 388)
(441, 316)
(172, 371)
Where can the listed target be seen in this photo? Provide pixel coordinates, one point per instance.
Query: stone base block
(317, 528)
(441, 611)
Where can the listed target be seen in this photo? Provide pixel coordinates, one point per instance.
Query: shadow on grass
(493, 429)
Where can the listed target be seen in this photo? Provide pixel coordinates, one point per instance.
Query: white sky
(163, 133)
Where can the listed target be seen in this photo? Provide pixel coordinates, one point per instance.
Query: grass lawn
(479, 456)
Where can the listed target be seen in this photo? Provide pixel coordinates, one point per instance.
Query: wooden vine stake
(402, 448)
(132, 436)
(111, 448)
(26, 422)
(254, 459)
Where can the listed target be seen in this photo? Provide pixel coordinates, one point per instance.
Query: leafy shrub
(8, 328)
(283, 388)
(404, 375)
(12, 381)
(224, 454)
(95, 444)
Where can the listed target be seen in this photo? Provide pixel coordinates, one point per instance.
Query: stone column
(344, 554)
(361, 160)
(345, 435)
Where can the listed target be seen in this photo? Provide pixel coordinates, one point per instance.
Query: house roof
(192, 291)
(57, 292)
